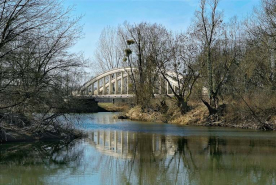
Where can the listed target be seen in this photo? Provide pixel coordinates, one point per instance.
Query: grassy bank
(196, 116)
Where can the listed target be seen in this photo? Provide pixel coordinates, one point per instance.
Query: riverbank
(113, 107)
(20, 128)
(17, 127)
(199, 116)
(27, 134)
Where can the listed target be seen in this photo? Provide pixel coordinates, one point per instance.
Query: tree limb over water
(36, 69)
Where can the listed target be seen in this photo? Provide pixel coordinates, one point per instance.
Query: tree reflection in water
(159, 159)
(33, 163)
(118, 157)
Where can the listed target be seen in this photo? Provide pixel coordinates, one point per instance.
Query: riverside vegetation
(197, 115)
(224, 69)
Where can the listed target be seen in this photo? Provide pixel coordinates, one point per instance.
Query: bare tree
(35, 38)
(137, 42)
(207, 26)
(176, 62)
(108, 54)
(261, 28)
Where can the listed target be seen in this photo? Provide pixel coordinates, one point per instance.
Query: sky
(176, 15)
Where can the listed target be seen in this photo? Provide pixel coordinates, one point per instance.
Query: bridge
(116, 83)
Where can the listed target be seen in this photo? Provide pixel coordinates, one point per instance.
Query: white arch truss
(115, 83)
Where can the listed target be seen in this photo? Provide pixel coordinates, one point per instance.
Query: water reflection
(119, 155)
(124, 145)
(159, 159)
(34, 163)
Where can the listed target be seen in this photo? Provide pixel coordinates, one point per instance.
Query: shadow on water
(113, 156)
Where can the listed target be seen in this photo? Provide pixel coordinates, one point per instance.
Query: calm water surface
(126, 152)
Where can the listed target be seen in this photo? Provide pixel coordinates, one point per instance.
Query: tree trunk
(183, 105)
(211, 110)
(210, 76)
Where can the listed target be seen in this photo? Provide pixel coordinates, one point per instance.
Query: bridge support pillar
(98, 87)
(122, 82)
(103, 85)
(92, 87)
(110, 84)
(127, 81)
(116, 83)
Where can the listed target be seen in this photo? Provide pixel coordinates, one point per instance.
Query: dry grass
(197, 116)
(237, 114)
(262, 105)
(137, 114)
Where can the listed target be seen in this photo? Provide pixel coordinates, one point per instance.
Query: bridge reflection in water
(141, 158)
(123, 145)
(123, 157)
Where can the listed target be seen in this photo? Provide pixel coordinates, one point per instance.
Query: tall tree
(137, 41)
(207, 26)
(176, 62)
(35, 38)
(262, 35)
(108, 54)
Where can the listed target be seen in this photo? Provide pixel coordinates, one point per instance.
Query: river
(129, 152)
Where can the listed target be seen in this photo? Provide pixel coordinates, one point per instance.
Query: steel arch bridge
(116, 84)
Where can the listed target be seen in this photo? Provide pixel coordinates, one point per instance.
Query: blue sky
(176, 15)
